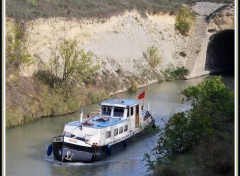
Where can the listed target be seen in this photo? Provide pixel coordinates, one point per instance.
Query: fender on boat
(108, 150)
(153, 123)
(49, 150)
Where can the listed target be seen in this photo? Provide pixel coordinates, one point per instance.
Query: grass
(32, 9)
(174, 73)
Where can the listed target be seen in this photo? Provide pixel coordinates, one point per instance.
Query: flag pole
(144, 95)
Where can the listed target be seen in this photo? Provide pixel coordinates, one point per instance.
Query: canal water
(26, 145)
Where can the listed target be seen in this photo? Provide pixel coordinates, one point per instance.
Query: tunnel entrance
(220, 52)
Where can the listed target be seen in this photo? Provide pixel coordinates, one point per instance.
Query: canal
(26, 145)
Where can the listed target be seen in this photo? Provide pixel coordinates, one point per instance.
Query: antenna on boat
(81, 115)
(99, 112)
(144, 95)
(148, 107)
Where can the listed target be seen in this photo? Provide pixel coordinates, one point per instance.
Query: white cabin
(118, 119)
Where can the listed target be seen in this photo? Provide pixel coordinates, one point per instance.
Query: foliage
(71, 66)
(133, 85)
(16, 52)
(33, 2)
(47, 78)
(153, 57)
(213, 106)
(184, 20)
(175, 73)
(212, 98)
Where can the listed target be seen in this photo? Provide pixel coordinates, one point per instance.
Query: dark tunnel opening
(220, 53)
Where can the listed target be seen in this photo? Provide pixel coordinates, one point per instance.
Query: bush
(16, 52)
(184, 20)
(46, 77)
(72, 66)
(153, 57)
(213, 106)
(133, 86)
(166, 171)
(175, 73)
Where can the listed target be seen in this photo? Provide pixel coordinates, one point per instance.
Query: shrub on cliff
(16, 53)
(154, 58)
(184, 20)
(174, 73)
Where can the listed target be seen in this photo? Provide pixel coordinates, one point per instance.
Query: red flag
(142, 95)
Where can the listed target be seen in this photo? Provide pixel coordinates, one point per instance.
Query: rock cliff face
(120, 42)
(221, 19)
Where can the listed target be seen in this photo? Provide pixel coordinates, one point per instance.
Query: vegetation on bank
(175, 73)
(154, 58)
(184, 20)
(16, 52)
(199, 141)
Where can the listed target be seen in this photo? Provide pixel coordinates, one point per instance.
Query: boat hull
(67, 152)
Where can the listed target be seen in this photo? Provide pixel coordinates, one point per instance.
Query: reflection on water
(26, 145)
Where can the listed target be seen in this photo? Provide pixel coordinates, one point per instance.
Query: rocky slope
(120, 42)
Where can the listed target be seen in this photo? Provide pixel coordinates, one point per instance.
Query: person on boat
(88, 116)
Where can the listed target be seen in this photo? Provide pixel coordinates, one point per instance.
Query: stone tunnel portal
(220, 52)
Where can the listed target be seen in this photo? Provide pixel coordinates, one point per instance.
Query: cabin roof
(120, 102)
(95, 122)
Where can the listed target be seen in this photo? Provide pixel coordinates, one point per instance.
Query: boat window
(106, 110)
(125, 127)
(116, 132)
(131, 111)
(120, 130)
(108, 134)
(118, 112)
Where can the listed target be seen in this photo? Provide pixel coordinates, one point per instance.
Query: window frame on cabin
(120, 130)
(118, 112)
(106, 110)
(108, 134)
(125, 128)
(115, 132)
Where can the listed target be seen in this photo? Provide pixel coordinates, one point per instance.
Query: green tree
(72, 65)
(213, 105)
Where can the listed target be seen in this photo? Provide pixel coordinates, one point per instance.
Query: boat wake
(103, 162)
